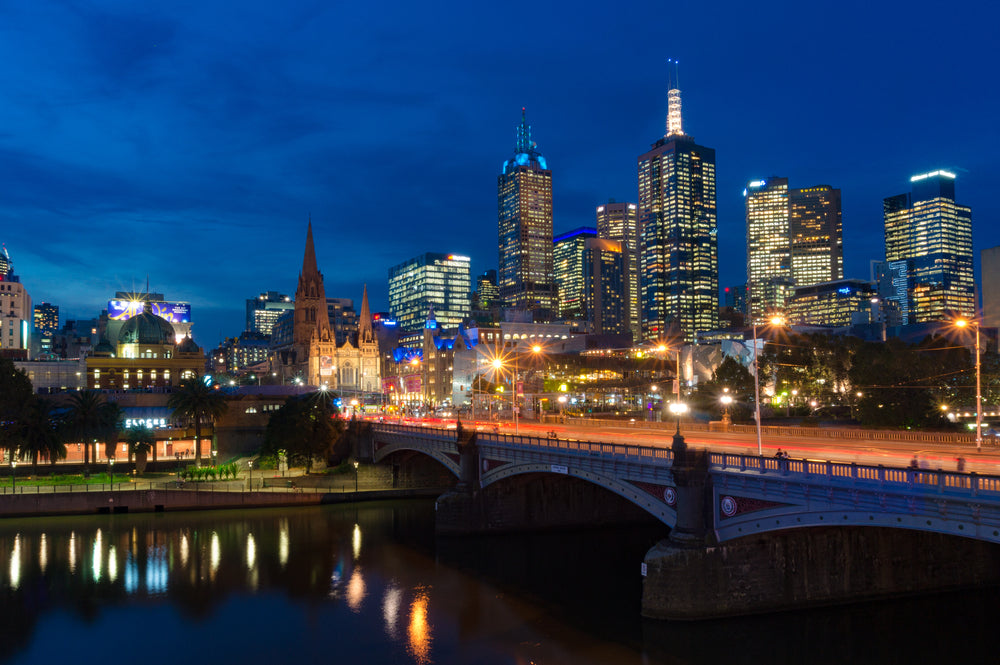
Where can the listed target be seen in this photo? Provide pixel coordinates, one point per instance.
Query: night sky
(191, 142)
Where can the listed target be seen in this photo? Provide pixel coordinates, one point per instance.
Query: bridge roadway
(749, 494)
(885, 451)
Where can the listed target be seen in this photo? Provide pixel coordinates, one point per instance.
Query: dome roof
(104, 348)
(188, 345)
(146, 328)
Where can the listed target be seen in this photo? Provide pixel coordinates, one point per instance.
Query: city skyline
(139, 143)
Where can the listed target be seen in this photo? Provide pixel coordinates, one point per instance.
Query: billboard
(325, 366)
(175, 312)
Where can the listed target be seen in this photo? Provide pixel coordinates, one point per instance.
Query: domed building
(145, 356)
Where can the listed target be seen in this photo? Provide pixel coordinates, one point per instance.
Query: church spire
(309, 260)
(365, 332)
(673, 101)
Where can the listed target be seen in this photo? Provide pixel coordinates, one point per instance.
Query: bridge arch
(448, 460)
(657, 507)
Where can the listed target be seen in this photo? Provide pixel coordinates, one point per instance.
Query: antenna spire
(673, 100)
(523, 143)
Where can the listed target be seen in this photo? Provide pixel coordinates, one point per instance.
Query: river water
(369, 583)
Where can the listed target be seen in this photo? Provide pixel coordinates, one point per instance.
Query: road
(888, 453)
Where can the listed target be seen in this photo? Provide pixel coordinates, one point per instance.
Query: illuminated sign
(923, 176)
(753, 184)
(151, 423)
(456, 257)
(175, 312)
(846, 290)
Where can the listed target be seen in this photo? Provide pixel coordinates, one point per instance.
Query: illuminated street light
(962, 323)
(775, 321)
(726, 400)
(13, 475)
(355, 476)
(678, 409)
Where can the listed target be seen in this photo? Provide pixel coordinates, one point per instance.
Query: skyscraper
(441, 281)
(16, 313)
(679, 261)
(933, 234)
(620, 222)
(794, 238)
(604, 285)
(524, 202)
(567, 256)
(265, 309)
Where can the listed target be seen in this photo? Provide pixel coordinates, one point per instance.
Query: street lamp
(250, 470)
(13, 476)
(962, 323)
(355, 476)
(726, 400)
(678, 409)
(777, 321)
(111, 474)
(562, 402)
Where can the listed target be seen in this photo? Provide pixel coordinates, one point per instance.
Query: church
(312, 354)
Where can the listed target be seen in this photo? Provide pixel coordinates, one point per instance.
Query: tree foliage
(198, 403)
(305, 427)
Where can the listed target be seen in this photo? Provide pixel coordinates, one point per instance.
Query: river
(369, 583)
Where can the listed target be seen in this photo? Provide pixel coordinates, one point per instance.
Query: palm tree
(193, 400)
(86, 420)
(40, 433)
(140, 441)
(113, 418)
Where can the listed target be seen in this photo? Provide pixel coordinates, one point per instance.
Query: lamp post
(355, 476)
(111, 472)
(962, 323)
(678, 409)
(756, 381)
(13, 475)
(250, 470)
(726, 400)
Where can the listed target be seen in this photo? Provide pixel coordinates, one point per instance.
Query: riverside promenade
(171, 494)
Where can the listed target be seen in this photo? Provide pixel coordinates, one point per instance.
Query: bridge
(759, 507)
(750, 494)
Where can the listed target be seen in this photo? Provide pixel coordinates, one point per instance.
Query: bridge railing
(584, 447)
(933, 480)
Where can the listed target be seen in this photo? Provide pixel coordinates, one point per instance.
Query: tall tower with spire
(679, 259)
(524, 206)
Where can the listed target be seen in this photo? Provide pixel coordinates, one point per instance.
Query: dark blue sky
(191, 142)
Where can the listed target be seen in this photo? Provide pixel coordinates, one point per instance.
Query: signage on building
(175, 312)
(325, 366)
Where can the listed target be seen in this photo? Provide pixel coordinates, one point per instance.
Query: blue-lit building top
(525, 150)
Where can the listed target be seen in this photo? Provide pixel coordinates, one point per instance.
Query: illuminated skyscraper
(16, 314)
(265, 309)
(620, 222)
(933, 235)
(438, 281)
(794, 239)
(524, 201)
(568, 268)
(679, 264)
(604, 285)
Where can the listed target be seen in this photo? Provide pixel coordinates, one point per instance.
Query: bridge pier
(691, 576)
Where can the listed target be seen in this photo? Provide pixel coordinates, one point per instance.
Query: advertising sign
(325, 366)
(175, 312)
(412, 383)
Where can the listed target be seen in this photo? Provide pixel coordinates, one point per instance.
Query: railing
(583, 447)
(835, 472)
(781, 430)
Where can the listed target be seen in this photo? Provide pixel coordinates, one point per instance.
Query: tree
(195, 401)
(140, 441)
(41, 433)
(113, 420)
(729, 374)
(86, 421)
(305, 427)
(15, 396)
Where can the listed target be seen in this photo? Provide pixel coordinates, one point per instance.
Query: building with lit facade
(264, 310)
(619, 221)
(46, 318)
(16, 313)
(604, 286)
(794, 238)
(524, 202)
(932, 234)
(311, 353)
(989, 262)
(441, 281)
(679, 260)
(840, 303)
(567, 256)
(487, 292)
(127, 304)
(145, 355)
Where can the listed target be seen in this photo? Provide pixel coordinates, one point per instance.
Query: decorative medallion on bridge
(731, 506)
(665, 493)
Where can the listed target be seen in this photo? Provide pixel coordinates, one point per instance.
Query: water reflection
(419, 630)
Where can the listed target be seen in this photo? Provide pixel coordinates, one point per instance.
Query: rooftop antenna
(673, 99)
